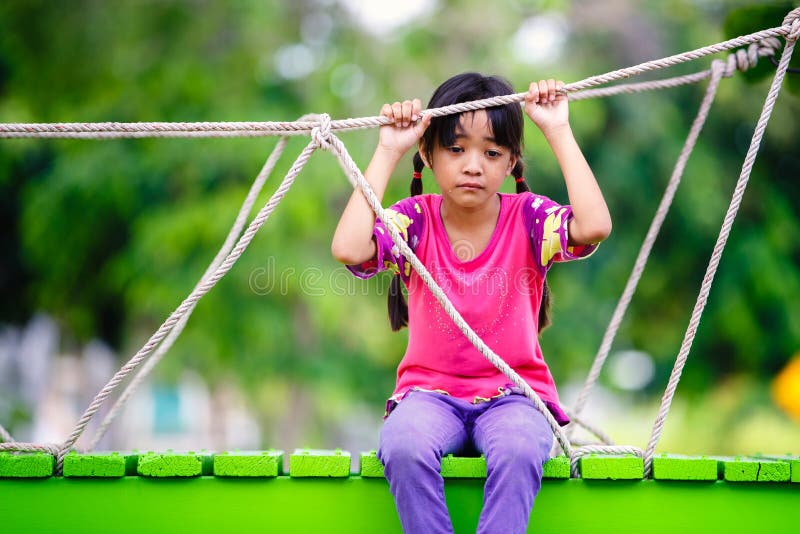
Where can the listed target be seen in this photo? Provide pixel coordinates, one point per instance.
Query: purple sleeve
(406, 217)
(548, 222)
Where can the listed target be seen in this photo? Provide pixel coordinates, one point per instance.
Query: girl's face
(471, 171)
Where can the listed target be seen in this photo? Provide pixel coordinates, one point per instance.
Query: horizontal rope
(116, 130)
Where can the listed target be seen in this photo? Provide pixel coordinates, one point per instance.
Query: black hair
(507, 129)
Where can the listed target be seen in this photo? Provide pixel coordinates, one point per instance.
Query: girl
(489, 252)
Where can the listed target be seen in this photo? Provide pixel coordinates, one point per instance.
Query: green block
(753, 469)
(678, 467)
(319, 463)
(794, 464)
(371, 467)
(613, 467)
(26, 464)
(248, 463)
(94, 465)
(556, 467)
(171, 464)
(463, 467)
(774, 471)
(739, 469)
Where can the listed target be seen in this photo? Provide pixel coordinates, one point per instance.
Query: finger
(560, 93)
(422, 125)
(416, 107)
(533, 93)
(542, 91)
(406, 113)
(386, 110)
(551, 89)
(397, 113)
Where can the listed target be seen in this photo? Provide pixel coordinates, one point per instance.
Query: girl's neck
(456, 216)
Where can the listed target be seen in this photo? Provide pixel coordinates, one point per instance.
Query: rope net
(321, 130)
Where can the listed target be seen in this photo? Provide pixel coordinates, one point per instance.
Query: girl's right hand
(407, 127)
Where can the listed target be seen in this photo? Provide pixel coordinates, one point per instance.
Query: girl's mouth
(470, 186)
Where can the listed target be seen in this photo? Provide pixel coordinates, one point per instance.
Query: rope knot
(321, 134)
(743, 60)
(793, 19)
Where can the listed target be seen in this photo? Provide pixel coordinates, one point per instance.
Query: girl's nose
(472, 165)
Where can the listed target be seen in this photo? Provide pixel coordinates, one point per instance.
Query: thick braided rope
(708, 279)
(195, 295)
(19, 446)
(585, 450)
(227, 246)
(577, 421)
(740, 60)
(109, 130)
(632, 88)
(652, 234)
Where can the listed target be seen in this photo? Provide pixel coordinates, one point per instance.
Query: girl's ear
(423, 157)
(511, 164)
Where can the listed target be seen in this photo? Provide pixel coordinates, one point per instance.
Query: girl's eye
(455, 149)
(493, 153)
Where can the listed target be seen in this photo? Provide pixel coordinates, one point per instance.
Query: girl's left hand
(546, 107)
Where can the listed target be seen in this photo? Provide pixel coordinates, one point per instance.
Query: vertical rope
(717, 70)
(708, 279)
(4, 435)
(196, 295)
(230, 240)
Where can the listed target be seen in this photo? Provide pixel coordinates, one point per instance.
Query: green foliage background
(109, 236)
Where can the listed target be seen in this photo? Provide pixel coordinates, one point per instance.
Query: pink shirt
(498, 293)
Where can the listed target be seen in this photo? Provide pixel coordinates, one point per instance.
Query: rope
(730, 215)
(228, 244)
(192, 299)
(740, 60)
(652, 234)
(585, 450)
(4, 435)
(114, 130)
(19, 446)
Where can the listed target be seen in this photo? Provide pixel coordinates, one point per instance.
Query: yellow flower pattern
(551, 235)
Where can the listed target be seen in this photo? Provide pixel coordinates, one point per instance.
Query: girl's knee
(519, 452)
(405, 456)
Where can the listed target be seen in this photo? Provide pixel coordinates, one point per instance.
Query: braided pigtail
(398, 307)
(517, 173)
(416, 181)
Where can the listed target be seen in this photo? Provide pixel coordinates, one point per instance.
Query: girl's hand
(407, 128)
(546, 107)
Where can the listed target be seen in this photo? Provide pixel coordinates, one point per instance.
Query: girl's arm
(352, 242)
(548, 109)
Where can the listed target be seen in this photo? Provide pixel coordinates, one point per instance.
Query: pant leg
(515, 438)
(423, 427)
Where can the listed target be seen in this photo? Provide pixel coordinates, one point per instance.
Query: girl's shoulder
(417, 206)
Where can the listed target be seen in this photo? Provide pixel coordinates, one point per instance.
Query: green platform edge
(753, 494)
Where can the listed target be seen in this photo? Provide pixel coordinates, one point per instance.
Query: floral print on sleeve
(405, 217)
(548, 222)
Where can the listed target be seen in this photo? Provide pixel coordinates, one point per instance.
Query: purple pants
(512, 434)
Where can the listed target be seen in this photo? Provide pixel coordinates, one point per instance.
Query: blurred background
(101, 240)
